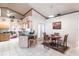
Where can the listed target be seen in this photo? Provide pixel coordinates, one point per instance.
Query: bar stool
(32, 41)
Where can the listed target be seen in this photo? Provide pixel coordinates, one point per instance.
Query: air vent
(58, 14)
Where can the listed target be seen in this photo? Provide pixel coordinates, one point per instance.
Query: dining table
(55, 39)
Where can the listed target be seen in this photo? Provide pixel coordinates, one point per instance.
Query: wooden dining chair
(32, 41)
(56, 34)
(44, 36)
(46, 39)
(63, 42)
(54, 39)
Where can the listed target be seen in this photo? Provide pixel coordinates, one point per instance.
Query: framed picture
(56, 25)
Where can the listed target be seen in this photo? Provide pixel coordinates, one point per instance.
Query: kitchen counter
(24, 38)
(23, 41)
(4, 37)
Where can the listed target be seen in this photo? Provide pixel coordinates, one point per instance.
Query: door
(41, 30)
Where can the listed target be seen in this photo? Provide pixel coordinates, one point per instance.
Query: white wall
(0, 11)
(78, 30)
(68, 26)
(36, 19)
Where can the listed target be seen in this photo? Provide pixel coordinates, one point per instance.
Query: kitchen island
(24, 39)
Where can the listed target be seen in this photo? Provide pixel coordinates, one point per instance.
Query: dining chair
(44, 36)
(32, 41)
(54, 39)
(63, 42)
(56, 34)
(46, 39)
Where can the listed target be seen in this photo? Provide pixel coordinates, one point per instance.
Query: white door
(41, 30)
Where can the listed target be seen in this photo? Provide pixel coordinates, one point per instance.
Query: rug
(61, 49)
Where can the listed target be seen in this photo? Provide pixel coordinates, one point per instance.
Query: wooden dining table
(55, 38)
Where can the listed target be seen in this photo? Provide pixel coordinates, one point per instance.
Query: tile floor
(11, 48)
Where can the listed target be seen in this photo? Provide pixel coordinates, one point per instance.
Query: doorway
(41, 30)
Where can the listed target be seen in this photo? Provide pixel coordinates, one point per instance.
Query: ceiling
(19, 7)
(57, 8)
(44, 8)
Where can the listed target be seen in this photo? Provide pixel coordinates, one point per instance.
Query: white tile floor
(11, 48)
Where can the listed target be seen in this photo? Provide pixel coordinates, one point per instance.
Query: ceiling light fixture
(8, 13)
(51, 14)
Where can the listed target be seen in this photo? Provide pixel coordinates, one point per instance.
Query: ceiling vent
(58, 14)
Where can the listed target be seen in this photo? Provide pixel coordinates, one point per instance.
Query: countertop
(25, 34)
